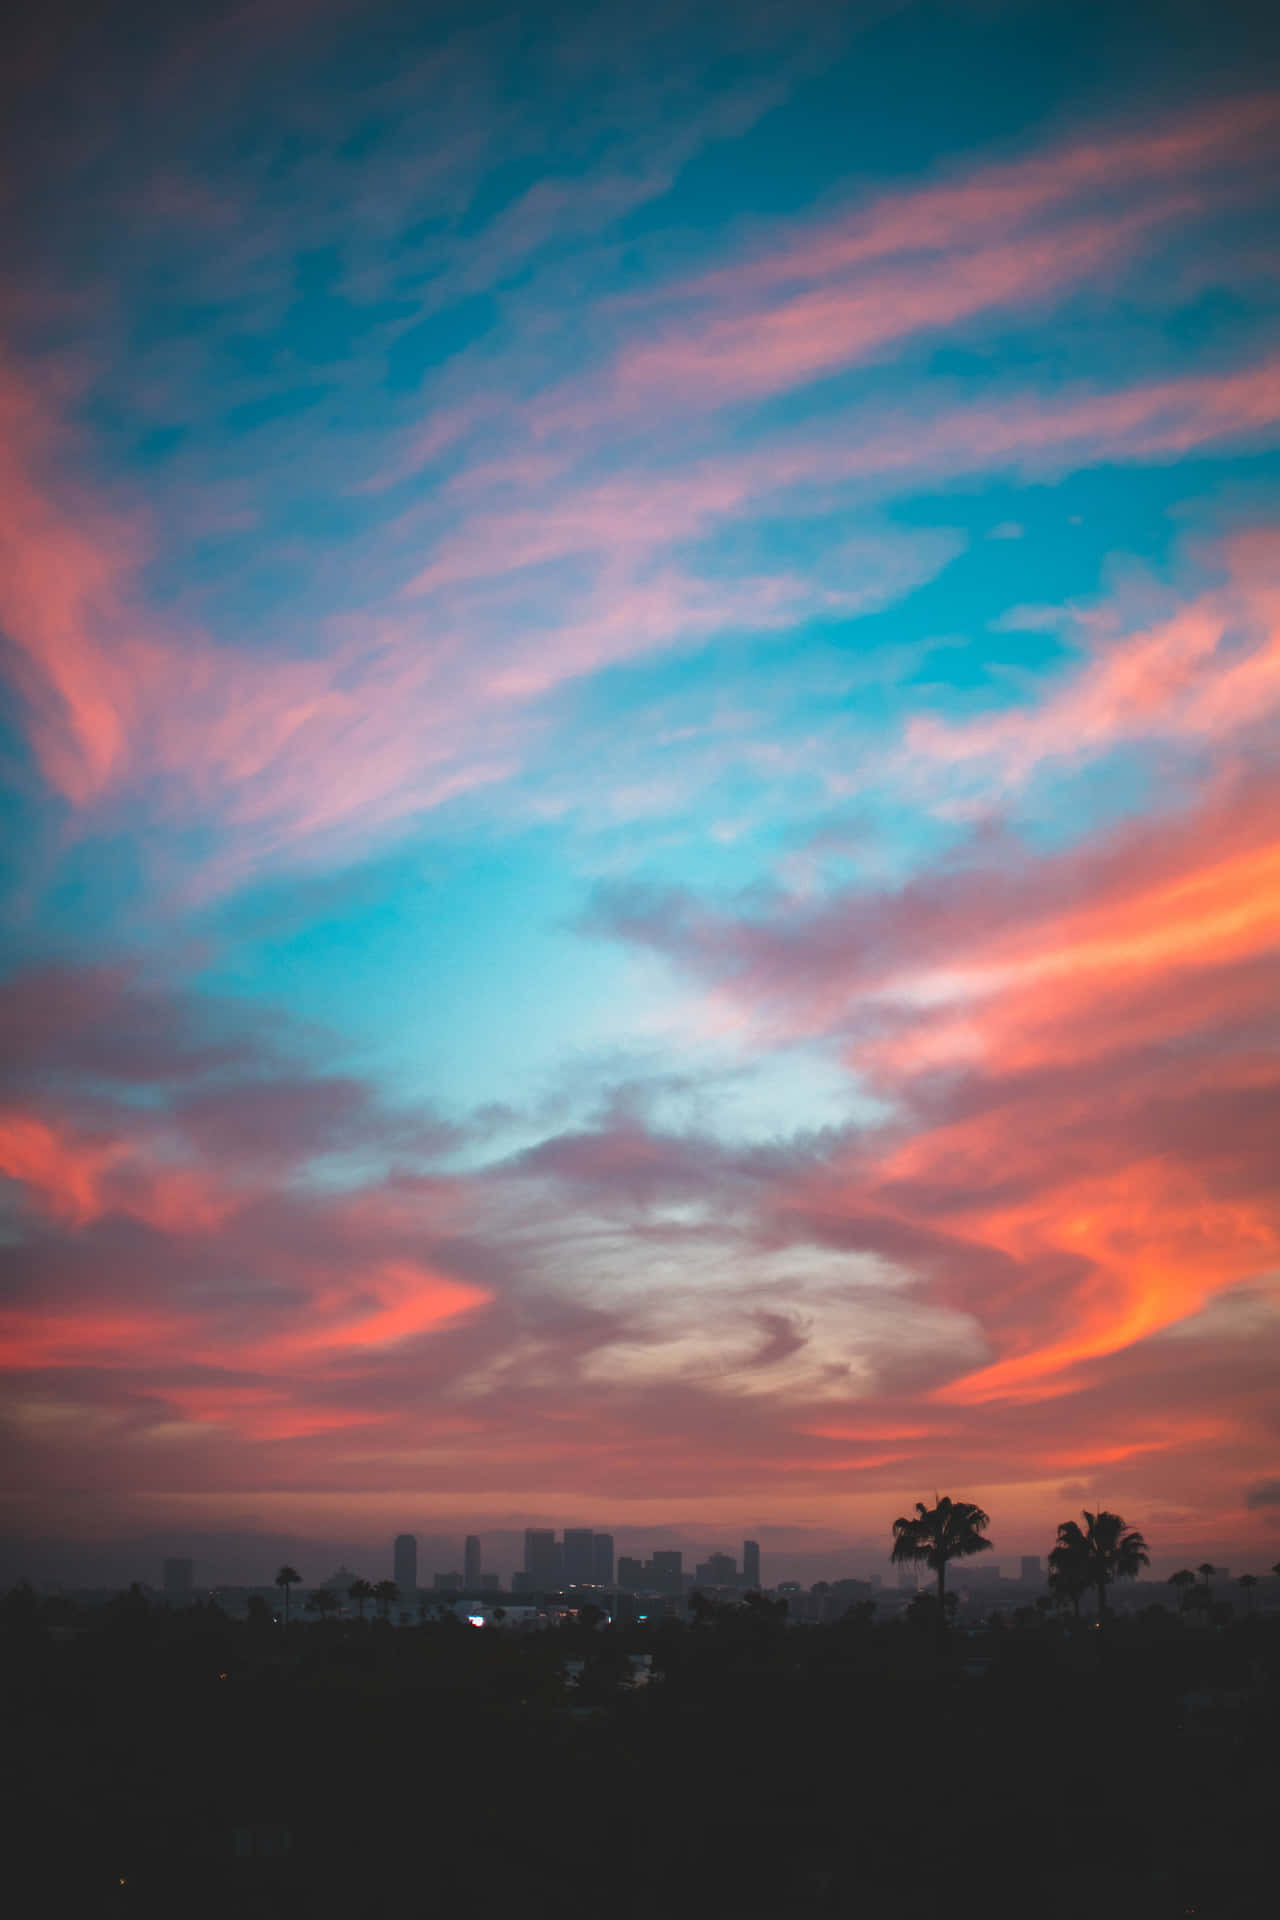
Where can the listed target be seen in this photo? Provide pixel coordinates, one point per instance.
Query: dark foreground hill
(183, 1764)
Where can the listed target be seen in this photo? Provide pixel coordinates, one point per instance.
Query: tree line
(1086, 1559)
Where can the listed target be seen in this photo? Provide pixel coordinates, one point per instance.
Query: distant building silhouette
(630, 1573)
(665, 1573)
(579, 1556)
(751, 1564)
(471, 1561)
(543, 1559)
(340, 1583)
(717, 1570)
(1031, 1567)
(179, 1581)
(447, 1582)
(405, 1564)
(602, 1560)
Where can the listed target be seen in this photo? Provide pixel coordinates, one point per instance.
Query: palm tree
(322, 1602)
(386, 1593)
(286, 1578)
(1248, 1581)
(1069, 1578)
(1183, 1580)
(1105, 1549)
(949, 1530)
(360, 1591)
(1206, 1570)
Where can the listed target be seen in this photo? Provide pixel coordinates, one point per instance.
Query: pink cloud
(817, 332)
(932, 256)
(995, 199)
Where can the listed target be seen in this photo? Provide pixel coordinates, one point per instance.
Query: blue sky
(641, 668)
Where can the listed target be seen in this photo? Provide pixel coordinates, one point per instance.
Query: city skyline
(502, 1557)
(640, 670)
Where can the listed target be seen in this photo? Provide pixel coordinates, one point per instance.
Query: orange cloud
(80, 1179)
(64, 1177)
(378, 1308)
(1208, 671)
(37, 1339)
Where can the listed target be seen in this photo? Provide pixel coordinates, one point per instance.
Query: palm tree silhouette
(1105, 1549)
(386, 1593)
(1248, 1581)
(1069, 1576)
(322, 1602)
(360, 1591)
(286, 1578)
(949, 1530)
(1206, 1570)
(1183, 1580)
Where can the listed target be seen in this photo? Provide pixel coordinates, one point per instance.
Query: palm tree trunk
(942, 1603)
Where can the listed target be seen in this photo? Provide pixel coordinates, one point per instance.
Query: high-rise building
(602, 1560)
(717, 1570)
(665, 1572)
(404, 1564)
(630, 1573)
(751, 1564)
(543, 1559)
(579, 1559)
(178, 1581)
(471, 1561)
(1031, 1566)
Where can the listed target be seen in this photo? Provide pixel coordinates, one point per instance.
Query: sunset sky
(641, 661)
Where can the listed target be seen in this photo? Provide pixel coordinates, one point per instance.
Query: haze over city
(642, 676)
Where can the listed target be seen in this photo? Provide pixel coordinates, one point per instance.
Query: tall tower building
(751, 1564)
(579, 1557)
(667, 1571)
(471, 1562)
(404, 1564)
(1031, 1567)
(543, 1559)
(602, 1560)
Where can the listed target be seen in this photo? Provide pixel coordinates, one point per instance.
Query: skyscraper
(1031, 1567)
(543, 1559)
(667, 1572)
(471, 1561)
(717, 1570)
(751, 1564)
(579, 1559)
(404, 1564)
(602, 1560)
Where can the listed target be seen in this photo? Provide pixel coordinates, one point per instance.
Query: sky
(641, 662)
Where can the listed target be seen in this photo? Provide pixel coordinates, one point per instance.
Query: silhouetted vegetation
(1106, 1548)
(736, 1764)
(949, 1530)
